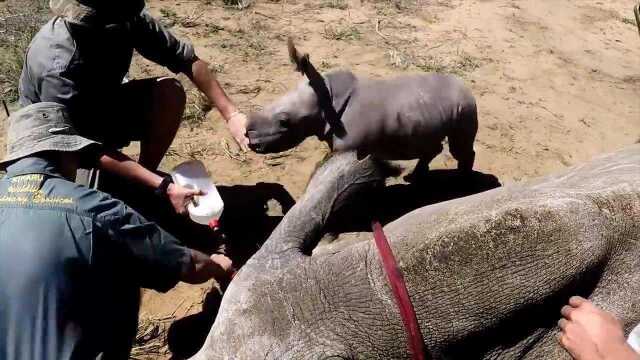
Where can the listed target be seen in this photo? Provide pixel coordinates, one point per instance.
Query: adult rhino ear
(317, 83)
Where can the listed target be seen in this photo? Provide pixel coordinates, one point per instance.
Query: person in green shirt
(73, 259)
(80, 59)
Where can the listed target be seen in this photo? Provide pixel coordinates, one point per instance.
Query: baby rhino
(402, 118)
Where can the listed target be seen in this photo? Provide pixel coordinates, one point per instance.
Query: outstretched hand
(180, 197)
(237, 124)
(589, 333)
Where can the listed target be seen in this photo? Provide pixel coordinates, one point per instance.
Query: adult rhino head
(307, 110)
(487, 273)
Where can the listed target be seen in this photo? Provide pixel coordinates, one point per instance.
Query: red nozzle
(214, 224)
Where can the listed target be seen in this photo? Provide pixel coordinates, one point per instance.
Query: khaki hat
(96, 12)
(38, 127)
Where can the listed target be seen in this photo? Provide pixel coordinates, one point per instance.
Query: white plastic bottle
(206, 209)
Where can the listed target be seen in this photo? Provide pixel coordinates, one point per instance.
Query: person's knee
(170, 92)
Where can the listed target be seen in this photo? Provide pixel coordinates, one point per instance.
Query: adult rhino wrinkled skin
(487, 273)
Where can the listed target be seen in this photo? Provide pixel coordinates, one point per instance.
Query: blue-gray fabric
(82, 67)
(72, 261)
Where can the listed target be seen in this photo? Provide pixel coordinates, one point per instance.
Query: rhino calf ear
(300, 61)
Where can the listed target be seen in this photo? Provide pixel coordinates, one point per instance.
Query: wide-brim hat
(96, 12)
(39, 127)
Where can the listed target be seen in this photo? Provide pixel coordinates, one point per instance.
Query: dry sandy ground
(556, 82)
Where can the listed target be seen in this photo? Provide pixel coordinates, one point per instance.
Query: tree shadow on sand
(187, 335)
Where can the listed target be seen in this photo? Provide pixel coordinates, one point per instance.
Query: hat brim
(59, 143)
(89, 15)
(73, 11)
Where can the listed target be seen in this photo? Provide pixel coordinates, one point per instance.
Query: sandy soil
(556, 82)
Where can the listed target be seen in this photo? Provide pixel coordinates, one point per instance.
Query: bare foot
(589, 333)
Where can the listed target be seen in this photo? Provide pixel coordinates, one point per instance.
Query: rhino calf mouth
(265, 143)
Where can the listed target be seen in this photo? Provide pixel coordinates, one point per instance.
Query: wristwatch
(161, 190)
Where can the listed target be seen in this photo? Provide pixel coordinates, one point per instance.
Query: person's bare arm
(206, 267)
(207, 83)
(589, 333)
(122, 165)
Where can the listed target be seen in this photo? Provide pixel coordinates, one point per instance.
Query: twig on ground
(177, 307)
(278, 155)
(378, 21)
(265, 15)
(227, 150)
(273, 162)
(6, 109)
(436, 46)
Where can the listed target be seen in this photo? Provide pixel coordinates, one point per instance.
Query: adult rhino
(487, 273)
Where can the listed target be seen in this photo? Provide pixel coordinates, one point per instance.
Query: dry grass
(238, 4)
(19, 22)
(171, 18)
(335, 4)
(628, 21)
(196, 108)
(459, 63)
(151, 339)
(326, 65)
(250, 41)
(342, 33)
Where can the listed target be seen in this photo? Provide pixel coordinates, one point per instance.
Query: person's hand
(180, 197)
(237, 124)
(227, 265)
(589, 333)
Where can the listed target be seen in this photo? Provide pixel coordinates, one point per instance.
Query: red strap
(399, 289)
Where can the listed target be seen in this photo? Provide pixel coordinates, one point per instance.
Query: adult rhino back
(494, 269)
(487, 273)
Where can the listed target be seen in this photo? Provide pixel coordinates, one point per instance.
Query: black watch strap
(161, 190)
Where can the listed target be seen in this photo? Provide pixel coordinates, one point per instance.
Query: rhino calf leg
(465, 160)
(461, 145)
(422, 167)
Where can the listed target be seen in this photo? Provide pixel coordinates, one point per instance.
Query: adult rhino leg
(422, 167)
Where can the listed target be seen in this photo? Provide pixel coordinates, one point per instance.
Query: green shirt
(72, 260)
(81, 67)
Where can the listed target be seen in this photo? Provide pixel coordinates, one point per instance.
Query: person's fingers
(577, 301)
(567, 344)
(189, 194)
(562, 339)
(181, 210)
(566, 311)
(243, 143)
(562, 324)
